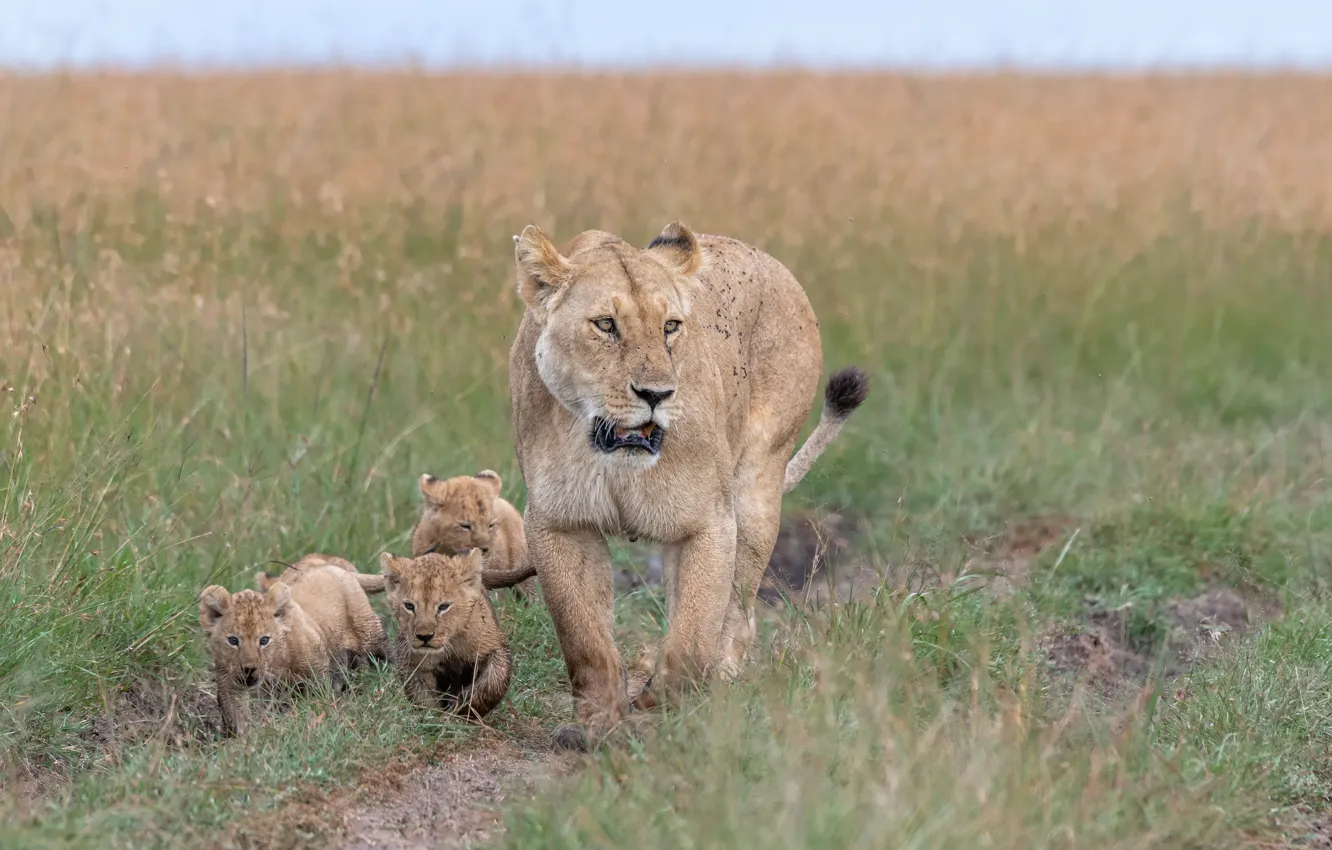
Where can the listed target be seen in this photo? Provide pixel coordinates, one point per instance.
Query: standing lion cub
(450, 651)
(467, 512)
(288, 634)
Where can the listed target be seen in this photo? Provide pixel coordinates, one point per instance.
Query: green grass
(228, 390)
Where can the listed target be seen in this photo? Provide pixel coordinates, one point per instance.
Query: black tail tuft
(847, 388)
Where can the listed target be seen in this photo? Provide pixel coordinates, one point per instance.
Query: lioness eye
(605, 325)
(444, 606)
(672, 326)
(233, 640)
(466, 526)
(409, 606)
(263, 641)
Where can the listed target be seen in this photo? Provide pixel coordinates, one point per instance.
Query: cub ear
(428, 482)
(388, 563)
(677, 249)
(279, 596)
(490, 477)
(213, 603)
(543, 274)
(475, 562)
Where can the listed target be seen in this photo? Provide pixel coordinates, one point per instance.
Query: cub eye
(408, 606)
(233, 640)
(444, 606)
(263, 641)
(465, 526)
(672, 326)
(605, 324)
(492, 525)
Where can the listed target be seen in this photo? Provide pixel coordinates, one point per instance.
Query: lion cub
(449, 651)
(467, 512)
(288, 634)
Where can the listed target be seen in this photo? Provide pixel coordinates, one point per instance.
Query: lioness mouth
(608, 437)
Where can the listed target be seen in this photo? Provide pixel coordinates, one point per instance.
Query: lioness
(288, 634)
(450, 651)
(659, 393)
(467, 512)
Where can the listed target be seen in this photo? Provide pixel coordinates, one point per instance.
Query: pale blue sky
(925, 33)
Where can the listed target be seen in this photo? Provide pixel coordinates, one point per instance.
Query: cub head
(433, 596)
(457, 515)
(614, 322)
(245, 629)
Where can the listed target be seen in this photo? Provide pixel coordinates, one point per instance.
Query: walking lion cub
(450, 650)
(288, 634)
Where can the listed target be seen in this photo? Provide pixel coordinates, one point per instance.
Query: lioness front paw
(570, 736)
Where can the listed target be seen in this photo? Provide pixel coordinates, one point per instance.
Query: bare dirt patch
(1113, 652)
(453, 802)
(1009, 555)
(154, 708)
(812, 562)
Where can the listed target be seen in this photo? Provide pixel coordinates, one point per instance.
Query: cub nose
(485, 550)
(425, 638)
(249, 672)
(652, 397)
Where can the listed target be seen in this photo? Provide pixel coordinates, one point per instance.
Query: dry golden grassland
(240, 315)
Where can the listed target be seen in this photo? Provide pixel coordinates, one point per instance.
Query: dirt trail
(454, 802)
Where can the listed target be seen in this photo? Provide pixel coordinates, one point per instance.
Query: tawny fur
(370, 582)
(289, 634)
(467, 512)
(710, 342)
(449, 650)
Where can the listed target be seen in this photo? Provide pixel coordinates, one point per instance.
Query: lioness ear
(542, 272)
(279, 596)
(261, 580)
(213, 603)
(677, 249)
(490, 477)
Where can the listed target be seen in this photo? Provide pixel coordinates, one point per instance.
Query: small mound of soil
(154, 708)
(1103, 650)
(811, 562)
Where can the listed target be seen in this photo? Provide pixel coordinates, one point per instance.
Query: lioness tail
(846, 390)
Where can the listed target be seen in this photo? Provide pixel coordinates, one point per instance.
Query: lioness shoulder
(467, 512)
(449, 650)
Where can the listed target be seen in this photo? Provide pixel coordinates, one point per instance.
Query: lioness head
(614, 319)
(458, 514)
(433, 596)
(244, 629)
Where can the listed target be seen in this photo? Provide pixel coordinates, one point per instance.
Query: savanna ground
(1081, 527)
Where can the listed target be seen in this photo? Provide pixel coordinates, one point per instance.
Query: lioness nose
(425, 638)
(652, 397)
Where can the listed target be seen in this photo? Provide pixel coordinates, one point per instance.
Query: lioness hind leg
(758, 518)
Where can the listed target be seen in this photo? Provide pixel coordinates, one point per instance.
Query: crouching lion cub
(369, 582)
(467, 512)
(288, 634)
(449, 651)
